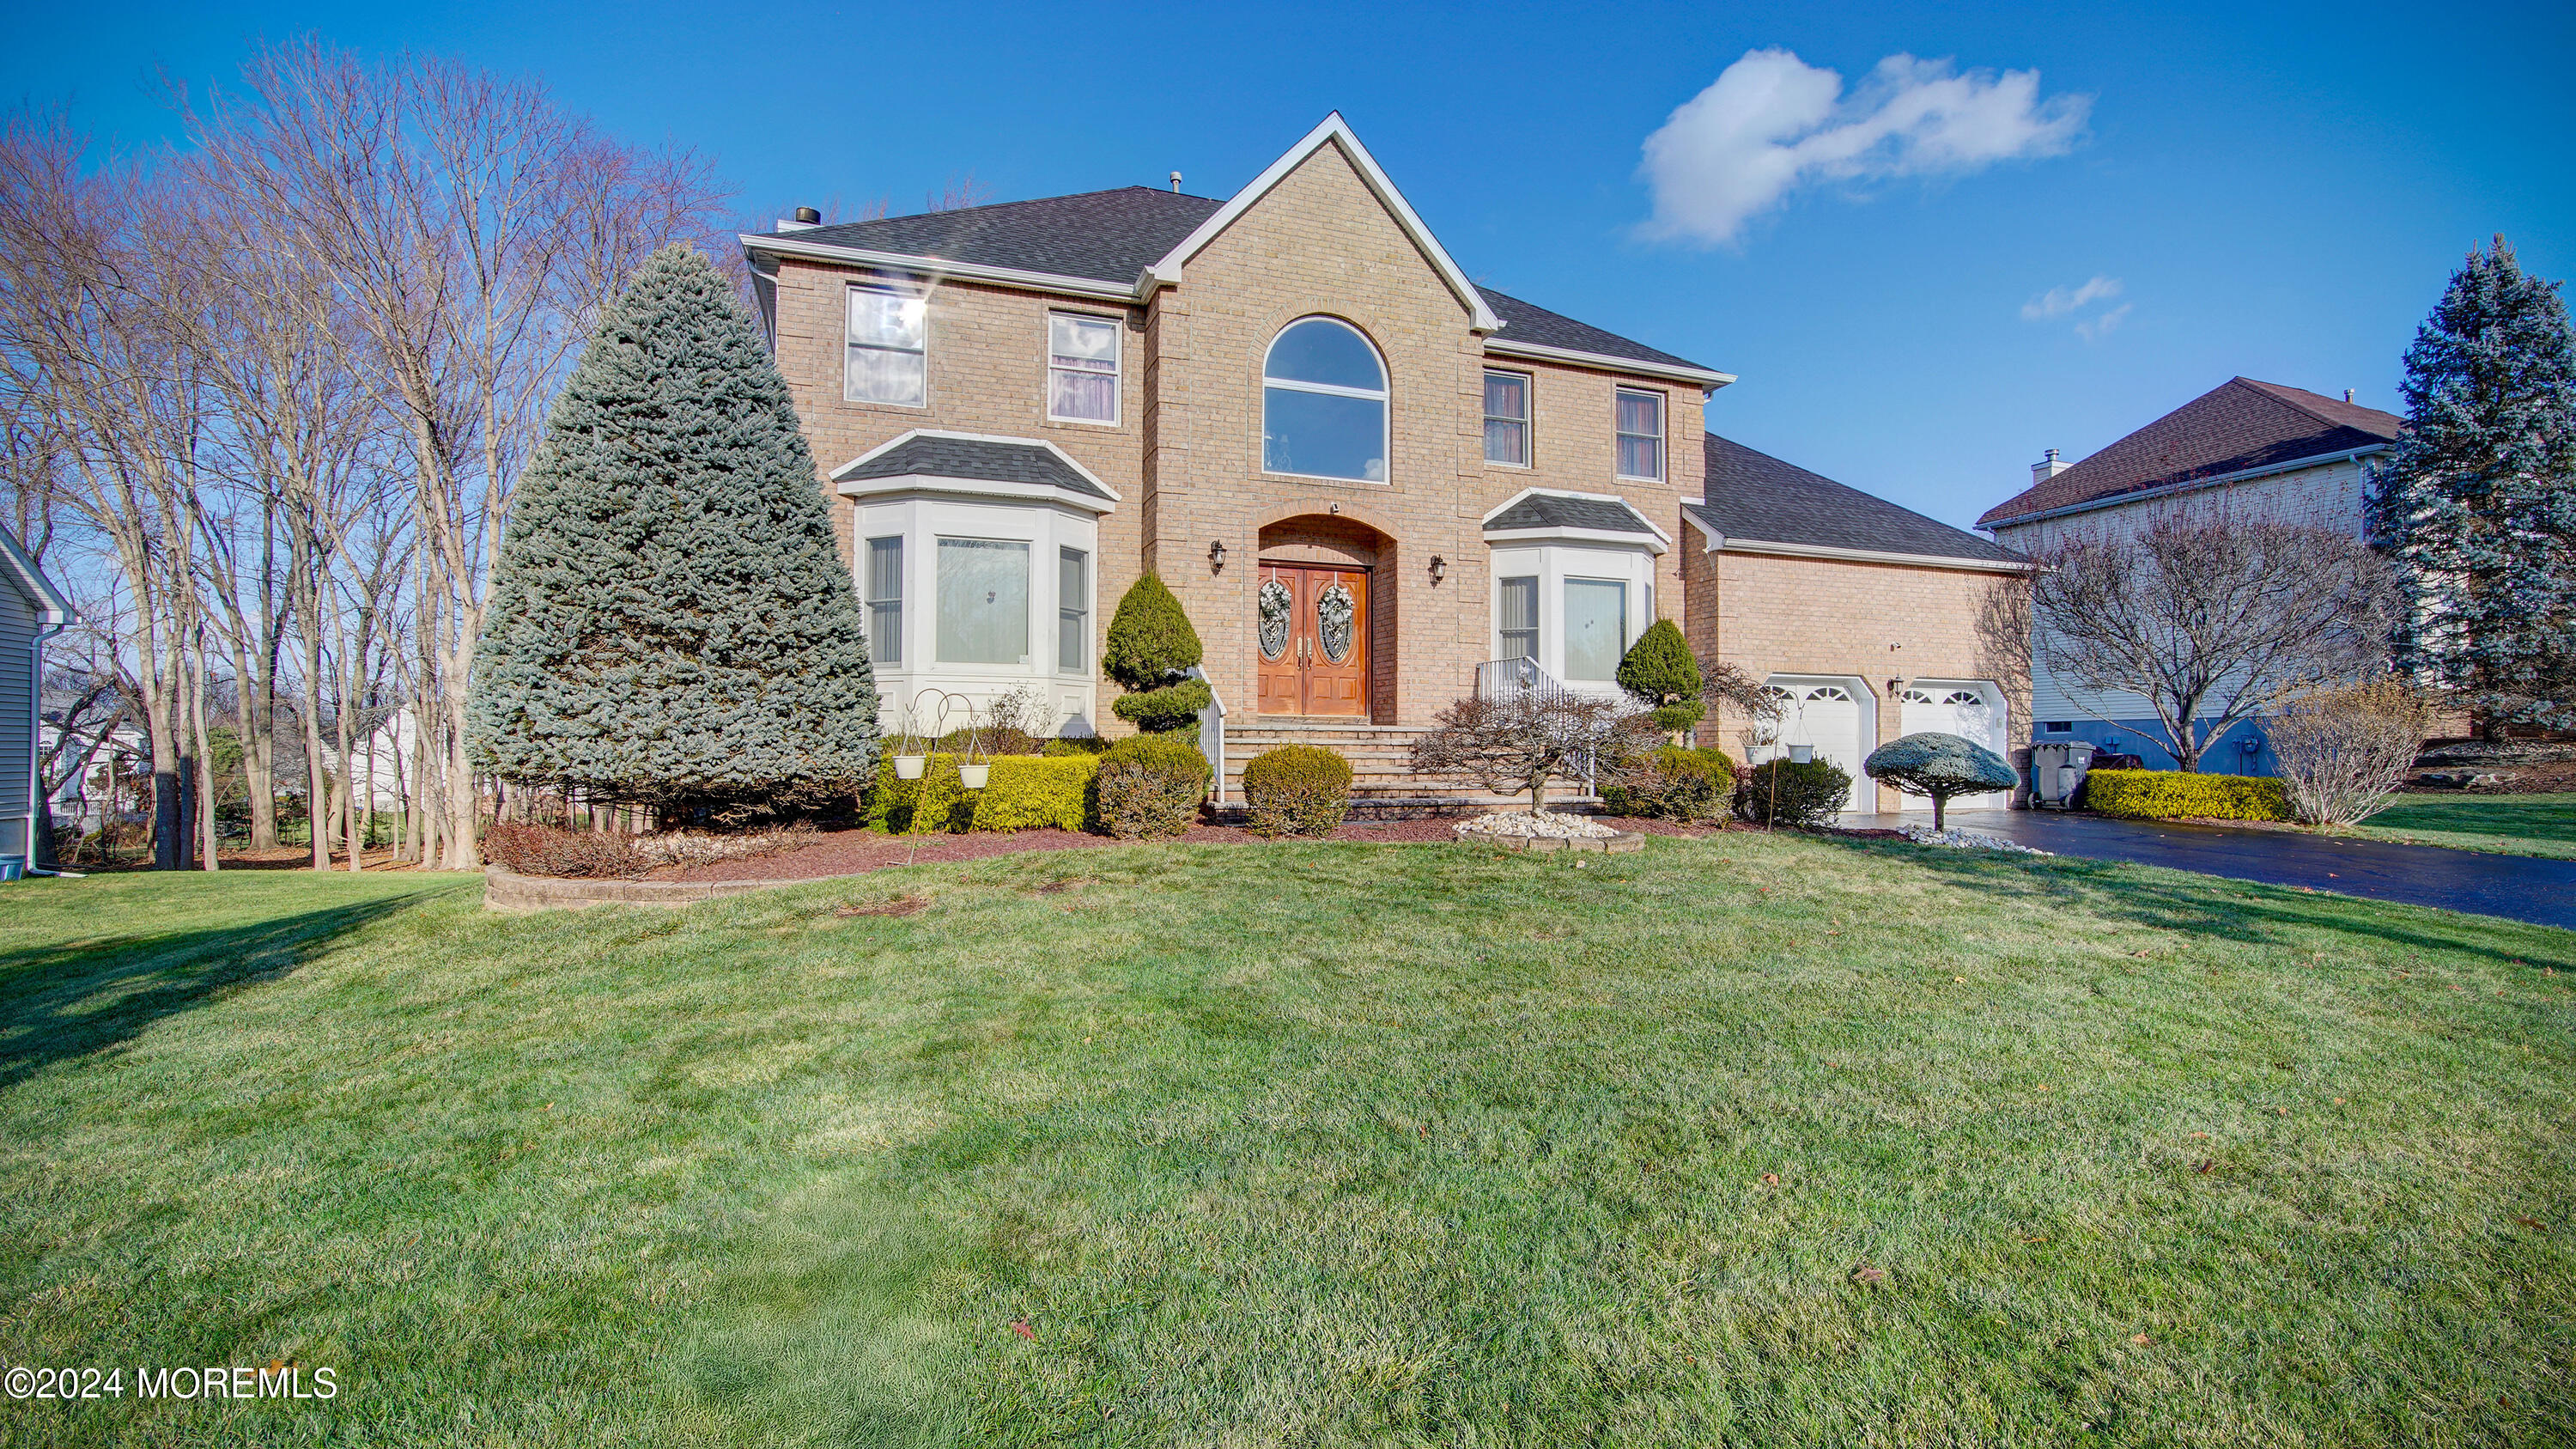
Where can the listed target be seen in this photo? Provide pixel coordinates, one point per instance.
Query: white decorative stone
(1963, 839)
(1543, 825)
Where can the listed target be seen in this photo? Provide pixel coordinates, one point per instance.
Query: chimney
(1176, 183)
(806, 216)
(2047, 468)
(2347, 394)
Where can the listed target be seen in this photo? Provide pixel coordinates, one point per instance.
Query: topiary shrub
(1149, 787)
(1938, 766)
(1660, 671)
(1149, 652)
(1675, 784)
(1784, 792)
(1026, 792)
(1297, 790)
(2174, 795)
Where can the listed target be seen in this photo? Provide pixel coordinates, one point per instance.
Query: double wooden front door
(1311, 626)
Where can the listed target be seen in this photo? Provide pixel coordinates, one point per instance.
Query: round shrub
(1149, 787)
(1938, 766)
(1675, 784)
(1659, 669)
(1784, 792)
(1297, 790)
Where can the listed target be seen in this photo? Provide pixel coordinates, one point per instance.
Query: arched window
(1323, 403)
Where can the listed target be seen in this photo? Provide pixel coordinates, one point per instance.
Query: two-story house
(2251, 449)
(1362, 473)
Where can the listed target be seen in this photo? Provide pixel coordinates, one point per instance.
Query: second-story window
(1507, 418)
(1323, 403)
(889, 347)
(1082, 368)
(1641, 435)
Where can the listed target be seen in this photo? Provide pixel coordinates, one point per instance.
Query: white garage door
(1827, 715)
(1970, 709)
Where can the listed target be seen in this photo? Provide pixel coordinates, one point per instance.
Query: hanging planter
(974, 777)
(977, 768)
(909, 767)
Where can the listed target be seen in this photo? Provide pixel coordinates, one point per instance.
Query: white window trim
(1555, 561)
(1090, 589)
(1384, 398)
(1010, 531)
(1117, 372)
(1627, 617)
(1529, 419)
(901, 289)
(1663, 434)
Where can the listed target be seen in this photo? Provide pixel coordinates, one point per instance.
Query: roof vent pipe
(2347, 394)
(806, 217)
(1176, 183)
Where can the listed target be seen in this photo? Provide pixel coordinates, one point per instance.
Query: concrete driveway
(2517, 887)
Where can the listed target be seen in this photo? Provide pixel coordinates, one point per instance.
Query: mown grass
(1751, 1140)
(2497, 824)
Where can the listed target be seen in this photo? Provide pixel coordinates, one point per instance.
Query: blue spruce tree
(2477, 510)
(670, 622)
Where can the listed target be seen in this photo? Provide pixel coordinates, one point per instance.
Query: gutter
(2167, 490)
(1709, 379)
(1721, 543)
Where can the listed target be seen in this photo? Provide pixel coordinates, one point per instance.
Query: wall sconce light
(1216, 556)
(1439, 568)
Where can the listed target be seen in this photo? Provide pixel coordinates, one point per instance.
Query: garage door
(1828, 716)
(1970, 709)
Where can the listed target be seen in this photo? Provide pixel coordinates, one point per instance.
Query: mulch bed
(855, 852)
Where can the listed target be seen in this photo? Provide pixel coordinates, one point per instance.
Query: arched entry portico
(1323, 614)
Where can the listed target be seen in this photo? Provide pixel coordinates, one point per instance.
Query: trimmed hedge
(1808, 794)
(1023, 792)
(2174, 795)
(1677, 784)
(1297, 790)
(1063, 745)
(1150, 787)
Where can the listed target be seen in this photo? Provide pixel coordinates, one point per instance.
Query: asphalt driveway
(2521, 888)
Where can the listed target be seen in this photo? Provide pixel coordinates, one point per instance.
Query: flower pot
(1802, 754)
(908, 767)
(974, 776)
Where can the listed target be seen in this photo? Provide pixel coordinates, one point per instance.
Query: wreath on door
(1275, 606)
(1334, 610)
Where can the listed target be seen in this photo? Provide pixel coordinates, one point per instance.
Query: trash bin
(13, 867)
(2057, 771)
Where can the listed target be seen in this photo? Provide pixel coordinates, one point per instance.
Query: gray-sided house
(32, 610)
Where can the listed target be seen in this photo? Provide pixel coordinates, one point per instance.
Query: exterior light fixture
(1216, 556)
(1439, 567)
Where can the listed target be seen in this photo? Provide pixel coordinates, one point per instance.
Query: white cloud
(2058, 301)
(1772, 123)
(2095, 329)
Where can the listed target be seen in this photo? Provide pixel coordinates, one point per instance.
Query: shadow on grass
(2250, 912)
(68, 1001)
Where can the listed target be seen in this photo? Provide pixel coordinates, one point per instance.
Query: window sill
(1326, 478)
(1054, 421)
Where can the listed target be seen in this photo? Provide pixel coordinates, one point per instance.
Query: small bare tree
(2344, 751)
(2210, 617)
(2003, 635)
(1520, 741)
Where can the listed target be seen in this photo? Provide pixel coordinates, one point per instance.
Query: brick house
(1362, 473)
(2251, 448)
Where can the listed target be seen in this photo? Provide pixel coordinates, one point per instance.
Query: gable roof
(19, 567)
(1123, 243)
(2236, 427)
(1552, 510)
(1758, 504)
(1026, 463)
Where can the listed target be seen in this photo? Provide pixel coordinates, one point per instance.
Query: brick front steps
(1382, 786)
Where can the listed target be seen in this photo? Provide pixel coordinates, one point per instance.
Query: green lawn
(1753, 1140)
(2497, 824)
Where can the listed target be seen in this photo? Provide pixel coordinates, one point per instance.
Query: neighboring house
(2253, 449)
(31, 611)
(1363, 474)
(1860, 615)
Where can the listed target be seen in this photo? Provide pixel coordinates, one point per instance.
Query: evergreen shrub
(1026, 792)
(1149, 787)
(1675, 784)
(2175, 795)
(1660, 672)
(1937, 766)
(1297, 790)
(1064, 745)
(1784, 792)
(1149, 653)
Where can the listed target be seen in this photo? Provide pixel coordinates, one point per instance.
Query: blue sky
(2270, 191)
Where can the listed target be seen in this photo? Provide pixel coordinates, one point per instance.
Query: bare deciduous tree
(1521, 740)
(2344, 751)
(2208, 616)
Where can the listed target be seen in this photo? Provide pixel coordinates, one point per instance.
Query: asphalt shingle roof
(1547, 510)
(1112, 236)
(976, 459)
(1758, 498)
(2239, 424)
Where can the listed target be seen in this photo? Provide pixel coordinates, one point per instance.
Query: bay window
(1596, 629)
(1518, 618)
(983, 601)
(885, 600)
(1072, 611)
